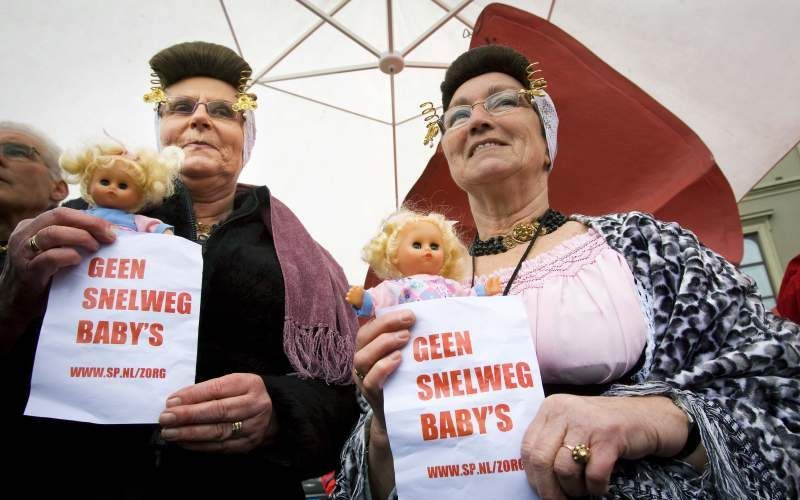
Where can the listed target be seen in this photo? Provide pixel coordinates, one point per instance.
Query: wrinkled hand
(201, 417)
(612, 427)
(377, 356)
(61, 234)
(355, 296)
(492, 286)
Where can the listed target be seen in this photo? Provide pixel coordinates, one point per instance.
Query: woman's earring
(431, 122)
(245, 100)
(536, 85)
(156, 95)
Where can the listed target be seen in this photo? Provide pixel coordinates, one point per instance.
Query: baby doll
(117, 184)
(419, 257)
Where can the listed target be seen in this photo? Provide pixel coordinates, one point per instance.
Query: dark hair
(189, 59)
(481, 60)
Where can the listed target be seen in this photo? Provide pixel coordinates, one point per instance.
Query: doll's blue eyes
(418, 246)
(121, 185)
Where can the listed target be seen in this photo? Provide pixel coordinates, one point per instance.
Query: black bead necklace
(547, 223)
(521, 233)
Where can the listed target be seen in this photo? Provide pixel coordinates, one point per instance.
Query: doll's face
(420, 250)
(114, 188)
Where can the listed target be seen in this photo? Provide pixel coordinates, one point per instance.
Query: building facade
(770, 215)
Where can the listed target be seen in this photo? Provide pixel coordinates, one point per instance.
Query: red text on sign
(137, 300)
(474, 380)
(119, 332)
(132, 269)
(464, 422)
(442, 345)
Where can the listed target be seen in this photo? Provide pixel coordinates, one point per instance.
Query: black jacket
(241, 330)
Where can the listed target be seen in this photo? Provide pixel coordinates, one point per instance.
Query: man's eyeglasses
(186, 106)
(496, 104)
(19, 152)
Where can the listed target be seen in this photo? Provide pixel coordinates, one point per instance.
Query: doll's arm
(361, 300)
(355, 296)
(146, 224)
(385, 294)
(490, 287)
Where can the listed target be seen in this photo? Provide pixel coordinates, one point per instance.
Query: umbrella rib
(426, 65)
(550, 12)
(320, 72)
(459, 17)
(322, 103)
(394, 143)
(339, 26)
(302, 38)
(230, 26)
(438, 24)
(389, 25)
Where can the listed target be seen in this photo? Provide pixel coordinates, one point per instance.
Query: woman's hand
(377, 356)
(230, 414)
(37, 249)
(612, 428)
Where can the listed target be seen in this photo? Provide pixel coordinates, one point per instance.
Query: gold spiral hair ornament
(536, 85)
(245, 100)
(156, 94)
(431, 122)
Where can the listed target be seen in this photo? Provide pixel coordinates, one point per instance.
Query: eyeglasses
(19, 152)
(496, 104)
(186, 106)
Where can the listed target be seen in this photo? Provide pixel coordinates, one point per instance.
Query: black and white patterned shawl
(733, 365)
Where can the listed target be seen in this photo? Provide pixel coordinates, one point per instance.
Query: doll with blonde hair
(419, 257)
(117, 183)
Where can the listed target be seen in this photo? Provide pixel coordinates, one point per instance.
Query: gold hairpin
(245, 100)
(535, 85)
(156, 94)
(431, 122)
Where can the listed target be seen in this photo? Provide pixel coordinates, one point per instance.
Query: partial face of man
(26, 187)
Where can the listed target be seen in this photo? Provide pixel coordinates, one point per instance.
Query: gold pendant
(509, 242)
(524, 232)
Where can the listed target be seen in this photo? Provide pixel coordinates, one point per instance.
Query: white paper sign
(120, 332)
(459, 404)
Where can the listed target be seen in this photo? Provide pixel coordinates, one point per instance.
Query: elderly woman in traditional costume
(664, 375)
(273, 401)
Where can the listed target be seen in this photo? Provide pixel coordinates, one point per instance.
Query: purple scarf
(319, 327)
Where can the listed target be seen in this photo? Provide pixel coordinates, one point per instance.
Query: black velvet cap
(189, 59)
(481, 60)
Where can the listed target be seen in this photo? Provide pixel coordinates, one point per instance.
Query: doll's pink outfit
(413, 289)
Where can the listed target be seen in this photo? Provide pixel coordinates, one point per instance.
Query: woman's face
(488, 149)
(420, 249)
(213, 146)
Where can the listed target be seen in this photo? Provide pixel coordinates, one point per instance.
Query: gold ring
(581, 452)
(358, 374)
(34, 246)
(236, 428)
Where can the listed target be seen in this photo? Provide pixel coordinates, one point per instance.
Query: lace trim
(563, 260)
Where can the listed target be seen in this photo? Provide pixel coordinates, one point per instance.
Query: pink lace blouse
(586, 320)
